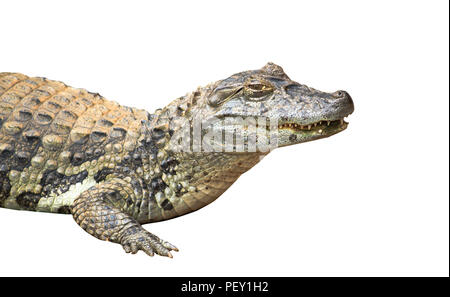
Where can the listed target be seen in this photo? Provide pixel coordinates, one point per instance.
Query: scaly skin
(114, 168)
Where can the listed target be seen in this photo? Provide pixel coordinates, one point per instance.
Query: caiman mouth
(320, 125)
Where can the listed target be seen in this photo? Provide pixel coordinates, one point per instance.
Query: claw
(147, 242)
(169, 246)
(149, 252)
(134, 248)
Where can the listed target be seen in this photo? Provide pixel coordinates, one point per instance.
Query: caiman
(115, 168)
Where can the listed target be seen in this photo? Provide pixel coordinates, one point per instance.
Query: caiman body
(66, 150)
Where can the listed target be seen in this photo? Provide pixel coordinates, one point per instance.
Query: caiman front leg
(100, 212)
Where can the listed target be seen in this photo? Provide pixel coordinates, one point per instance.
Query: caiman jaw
(291, 132)
(341, 123)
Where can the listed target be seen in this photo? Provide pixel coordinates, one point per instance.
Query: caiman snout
(344, 101)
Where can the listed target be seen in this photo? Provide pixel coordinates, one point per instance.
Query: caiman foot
(137, 238)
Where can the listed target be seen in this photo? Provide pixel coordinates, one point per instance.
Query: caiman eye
(257, 90)
(220, 95)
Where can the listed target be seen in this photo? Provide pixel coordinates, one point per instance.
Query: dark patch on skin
(65, 209)
(129, 201)
(135, 157)
(125, 169)
(137, 160)
(78, 178)
(28, 201)
(292, 137)
(77, 158)
(114, 196)
(150, 146)
(5, 186)
(18, 161)
(102, 174)
(86, 101)
(80, 154)
(62, 99)
(7, 152)
(54, 105)
(137, 187)
(52, 181)
(51, 177)
(157, 134)
(180, 111)
(105, 123)
(23, 157)
(44, 118)
(179, 190)
(98, 152)
(89, 153)
(98, 136)
(31, 136)
(166, 205)
(69, 115)
(168, 165)
(25, 115)
(35, 100)
(157, 185)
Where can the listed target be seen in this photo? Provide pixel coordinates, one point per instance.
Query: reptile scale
(114, 168)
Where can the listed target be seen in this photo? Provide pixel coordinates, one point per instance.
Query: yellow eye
(257, 89)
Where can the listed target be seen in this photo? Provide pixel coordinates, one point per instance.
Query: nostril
(340, 94)
(344, 100)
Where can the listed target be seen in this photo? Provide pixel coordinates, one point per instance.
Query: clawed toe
(148, 243)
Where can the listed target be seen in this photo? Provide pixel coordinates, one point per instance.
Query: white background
(371, 201)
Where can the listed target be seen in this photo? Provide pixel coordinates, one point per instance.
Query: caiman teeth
(308, 127)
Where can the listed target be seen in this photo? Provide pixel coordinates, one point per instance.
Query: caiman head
(295, 112)
(253, 104)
